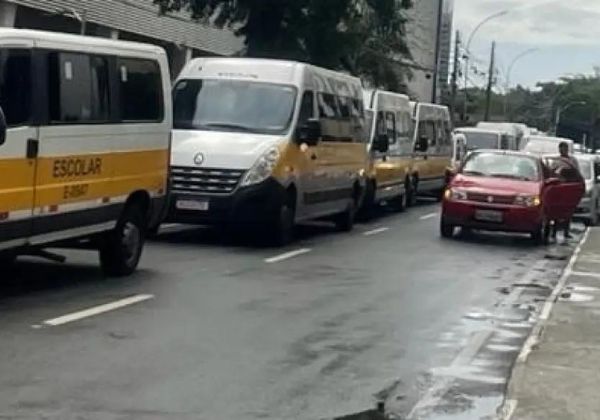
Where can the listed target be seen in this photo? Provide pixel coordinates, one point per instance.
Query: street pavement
(388, 318)
(556, 375)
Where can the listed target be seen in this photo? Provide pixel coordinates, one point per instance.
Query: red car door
(563, 192)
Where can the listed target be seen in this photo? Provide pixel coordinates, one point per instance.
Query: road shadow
(30, 276)
(507, 240)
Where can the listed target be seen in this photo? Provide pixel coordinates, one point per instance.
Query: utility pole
(488, 99)
(454, 82)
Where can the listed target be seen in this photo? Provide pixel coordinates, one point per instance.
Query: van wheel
(399, 203)
(367, 209)
(122, 247)
(411, 191)
(282, 229)
(446, 229)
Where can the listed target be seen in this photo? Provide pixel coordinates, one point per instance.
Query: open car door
(563, 191)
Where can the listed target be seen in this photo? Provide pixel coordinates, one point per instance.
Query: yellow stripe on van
(69, 179)
(74, 178)
(16, 184)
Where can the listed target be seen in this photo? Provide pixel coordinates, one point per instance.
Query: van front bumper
(246, 205)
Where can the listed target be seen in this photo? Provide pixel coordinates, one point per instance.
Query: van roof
(80, 41)
(268, 70)
(550, 138)
(479, 130)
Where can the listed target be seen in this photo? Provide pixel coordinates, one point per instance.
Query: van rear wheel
(121, 248)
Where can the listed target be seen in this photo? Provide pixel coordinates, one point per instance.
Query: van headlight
(528, 200)
(263, 168)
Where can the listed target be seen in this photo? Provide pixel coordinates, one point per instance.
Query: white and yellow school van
(268, 143)
(433, 148)
(390, 150)
(84, 144)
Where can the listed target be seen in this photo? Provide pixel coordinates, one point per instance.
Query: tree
(364, 37)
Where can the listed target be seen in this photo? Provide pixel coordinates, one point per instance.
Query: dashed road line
(376, 231)
(93, 311)
(428, 216)
(287, 255)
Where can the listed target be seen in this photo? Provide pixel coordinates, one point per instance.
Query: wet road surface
(334, 326)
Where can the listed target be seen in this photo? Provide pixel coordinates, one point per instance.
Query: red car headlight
(454, 194)
(528, 200)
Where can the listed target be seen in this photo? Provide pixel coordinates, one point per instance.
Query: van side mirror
(381, 143)
(3, 127)
(309, 132)
(422, 144)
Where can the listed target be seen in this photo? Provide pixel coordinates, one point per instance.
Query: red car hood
(498, 186)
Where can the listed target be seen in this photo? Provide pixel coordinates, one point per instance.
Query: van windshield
(477, 140)
(233, 105)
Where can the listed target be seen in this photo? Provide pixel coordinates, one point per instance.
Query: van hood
(220, 150)
(499, 186)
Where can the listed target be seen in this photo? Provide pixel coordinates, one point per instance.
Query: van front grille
(205, 180)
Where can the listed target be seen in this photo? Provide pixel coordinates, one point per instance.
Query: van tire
(344, 222)
(411, 191)
(399, 203)
(121, 248)
(367, 210)
(282, 229)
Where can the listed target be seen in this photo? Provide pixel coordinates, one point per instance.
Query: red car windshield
(500, 165)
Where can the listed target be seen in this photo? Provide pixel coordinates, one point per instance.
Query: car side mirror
(422, 144)
(309, 132)
(3, 127)
(552, 182)
(381, 143)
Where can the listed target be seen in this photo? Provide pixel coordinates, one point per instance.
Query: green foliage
(364, 37)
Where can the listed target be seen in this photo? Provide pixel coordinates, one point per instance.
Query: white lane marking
(376, 231)
(96, 310)
(547, 309)
(428, 216)
(586, 274)
(287, 255)
(509, 408)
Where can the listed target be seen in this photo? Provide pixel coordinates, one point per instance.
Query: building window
(141, 90)
(15, 86)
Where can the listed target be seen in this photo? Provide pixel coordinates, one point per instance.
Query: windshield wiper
(475, 173)
(230, 126)
(510, 176)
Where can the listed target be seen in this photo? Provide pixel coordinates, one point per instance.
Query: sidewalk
(557, 376)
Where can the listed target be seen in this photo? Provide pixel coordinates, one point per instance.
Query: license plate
(489, 216)
(195, 205)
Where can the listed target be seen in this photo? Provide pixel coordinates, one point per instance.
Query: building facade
(429, 31)
(132, 20)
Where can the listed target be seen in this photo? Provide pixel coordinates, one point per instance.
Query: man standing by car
(566, 164)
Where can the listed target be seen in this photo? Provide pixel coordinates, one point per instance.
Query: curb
(509, 405)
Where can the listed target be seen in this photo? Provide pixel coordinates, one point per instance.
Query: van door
(424, 163)
(17, 163)
(74, 189)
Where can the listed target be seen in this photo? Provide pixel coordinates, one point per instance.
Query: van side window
(79, 88)
(344, 106)
(504, 142)
(307, 110)
(15, 86)
(141, 90)
(390, 125)
(357, 108)
(427, 128)
(327, 106)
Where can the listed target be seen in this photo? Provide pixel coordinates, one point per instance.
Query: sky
(566, 33)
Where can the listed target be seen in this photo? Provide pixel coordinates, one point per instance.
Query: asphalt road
(224, 328)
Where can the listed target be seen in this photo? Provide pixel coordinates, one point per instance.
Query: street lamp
(508, 74)
(560, 110)
(467, 50)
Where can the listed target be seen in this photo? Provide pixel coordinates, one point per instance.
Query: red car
(511, 192)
